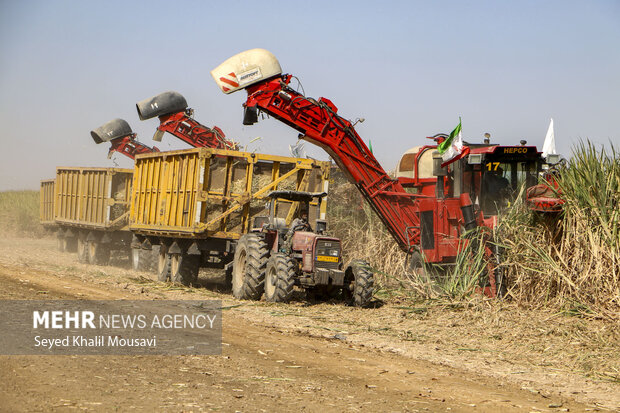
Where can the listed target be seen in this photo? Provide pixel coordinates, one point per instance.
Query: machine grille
(328, 248)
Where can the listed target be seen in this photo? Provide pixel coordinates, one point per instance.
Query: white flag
(549, 145)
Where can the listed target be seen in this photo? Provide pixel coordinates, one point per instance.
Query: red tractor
(274, 258)
(426, 213)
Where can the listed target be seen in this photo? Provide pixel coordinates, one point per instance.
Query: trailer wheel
(249, 266)
(184, 268)
(144, 260)
(60, 244)
(279, 278)
(82, 250)
(163, 264)
(70, 244)
(359, 284)
(98, 253)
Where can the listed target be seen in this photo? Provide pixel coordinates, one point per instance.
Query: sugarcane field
(415, 211)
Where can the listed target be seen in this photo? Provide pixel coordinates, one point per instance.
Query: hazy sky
(410, 68)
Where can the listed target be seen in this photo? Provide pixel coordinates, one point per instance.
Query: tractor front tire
(359, 284)
(279, 278)
(250, 262)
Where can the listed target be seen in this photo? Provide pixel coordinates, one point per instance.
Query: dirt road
(295, 357)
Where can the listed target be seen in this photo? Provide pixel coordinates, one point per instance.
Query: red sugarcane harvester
(175, 117)
(428, 220)
(122, 139)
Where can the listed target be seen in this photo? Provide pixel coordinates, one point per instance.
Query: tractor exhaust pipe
(116, 128)
(160, 105)
(467, 208)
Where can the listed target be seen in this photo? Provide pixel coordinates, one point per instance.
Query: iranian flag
(452, 149)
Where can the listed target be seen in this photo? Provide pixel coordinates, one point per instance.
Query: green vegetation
(570, 262)
(19, 212)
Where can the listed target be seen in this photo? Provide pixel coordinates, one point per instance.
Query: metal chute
(162, 104)
(116, 128)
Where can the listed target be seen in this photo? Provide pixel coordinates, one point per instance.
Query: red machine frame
(183, 126)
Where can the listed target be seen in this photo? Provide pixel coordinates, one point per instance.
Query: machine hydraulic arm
(319, 123)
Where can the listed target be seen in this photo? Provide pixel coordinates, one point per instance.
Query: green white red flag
(452, 149)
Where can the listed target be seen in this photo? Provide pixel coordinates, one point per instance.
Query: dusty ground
(312, 356)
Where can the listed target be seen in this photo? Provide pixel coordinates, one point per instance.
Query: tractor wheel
(163, 264)
(82, 250)
(184, 268)
(249, 265)
(279, 278)
(98, 253)
(359, 283)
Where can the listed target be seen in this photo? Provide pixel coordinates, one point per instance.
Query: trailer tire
(163, 264)
(184, 268)
(249, 266)
(60, 244)
(98, 253)
(82, 250)
(359, 284)
(279, 278)
(144, 260)
(70, 244)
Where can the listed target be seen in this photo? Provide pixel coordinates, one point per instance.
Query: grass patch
(19, 213)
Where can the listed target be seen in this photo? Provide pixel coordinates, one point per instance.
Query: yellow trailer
(46, 203)
(196, 203)
(91, 208)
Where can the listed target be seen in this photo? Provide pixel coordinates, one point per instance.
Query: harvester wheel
(82, 250)
(497, 287)
(359, 284)
(416, 267)
(184, 268)
(163, 264)
(249, 266)
(98, 253)
(279, 278)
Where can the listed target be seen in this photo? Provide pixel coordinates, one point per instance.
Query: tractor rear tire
(250, 262)
(359, 284)
(184, 268)
(279, 278)
(82, 250)
(163, 264)
(98, 253)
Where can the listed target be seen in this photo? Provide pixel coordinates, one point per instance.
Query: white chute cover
(245, 69)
